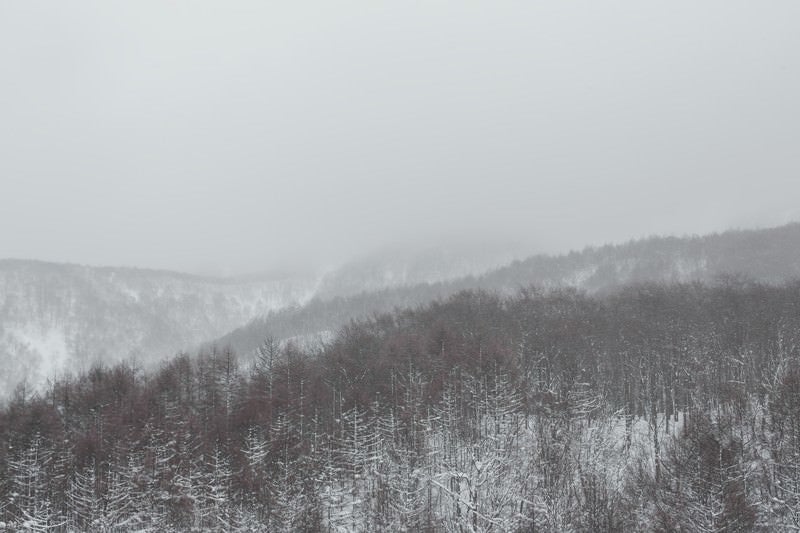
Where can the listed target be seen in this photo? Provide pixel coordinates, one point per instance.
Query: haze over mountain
(168, 135)
(399, 266)
(765, 255)
(62, 317)
(407, 265)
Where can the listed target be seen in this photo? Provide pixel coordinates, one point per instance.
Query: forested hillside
(671, 405)
(55, 317)
(767, 256)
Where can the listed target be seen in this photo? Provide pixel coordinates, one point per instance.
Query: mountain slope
(398, 266)
(57, 317)
(766, 255)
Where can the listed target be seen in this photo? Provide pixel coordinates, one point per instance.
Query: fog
(239, 136)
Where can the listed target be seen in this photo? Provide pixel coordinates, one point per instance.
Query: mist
(210, 137)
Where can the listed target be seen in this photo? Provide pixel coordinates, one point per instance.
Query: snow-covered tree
(30, 499)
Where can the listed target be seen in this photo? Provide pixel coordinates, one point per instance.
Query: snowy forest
(666, 407)
(435, 267)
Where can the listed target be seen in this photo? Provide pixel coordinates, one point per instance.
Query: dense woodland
(671, 405)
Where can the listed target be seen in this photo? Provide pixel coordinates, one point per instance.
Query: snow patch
(48, 346)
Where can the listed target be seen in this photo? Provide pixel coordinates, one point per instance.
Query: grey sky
(238, 135)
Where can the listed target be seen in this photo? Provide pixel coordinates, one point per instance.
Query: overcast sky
(236, 136)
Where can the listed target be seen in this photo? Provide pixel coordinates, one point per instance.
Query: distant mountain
(399, 266)
(59, 317)
(62, 317)
(766, 255)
